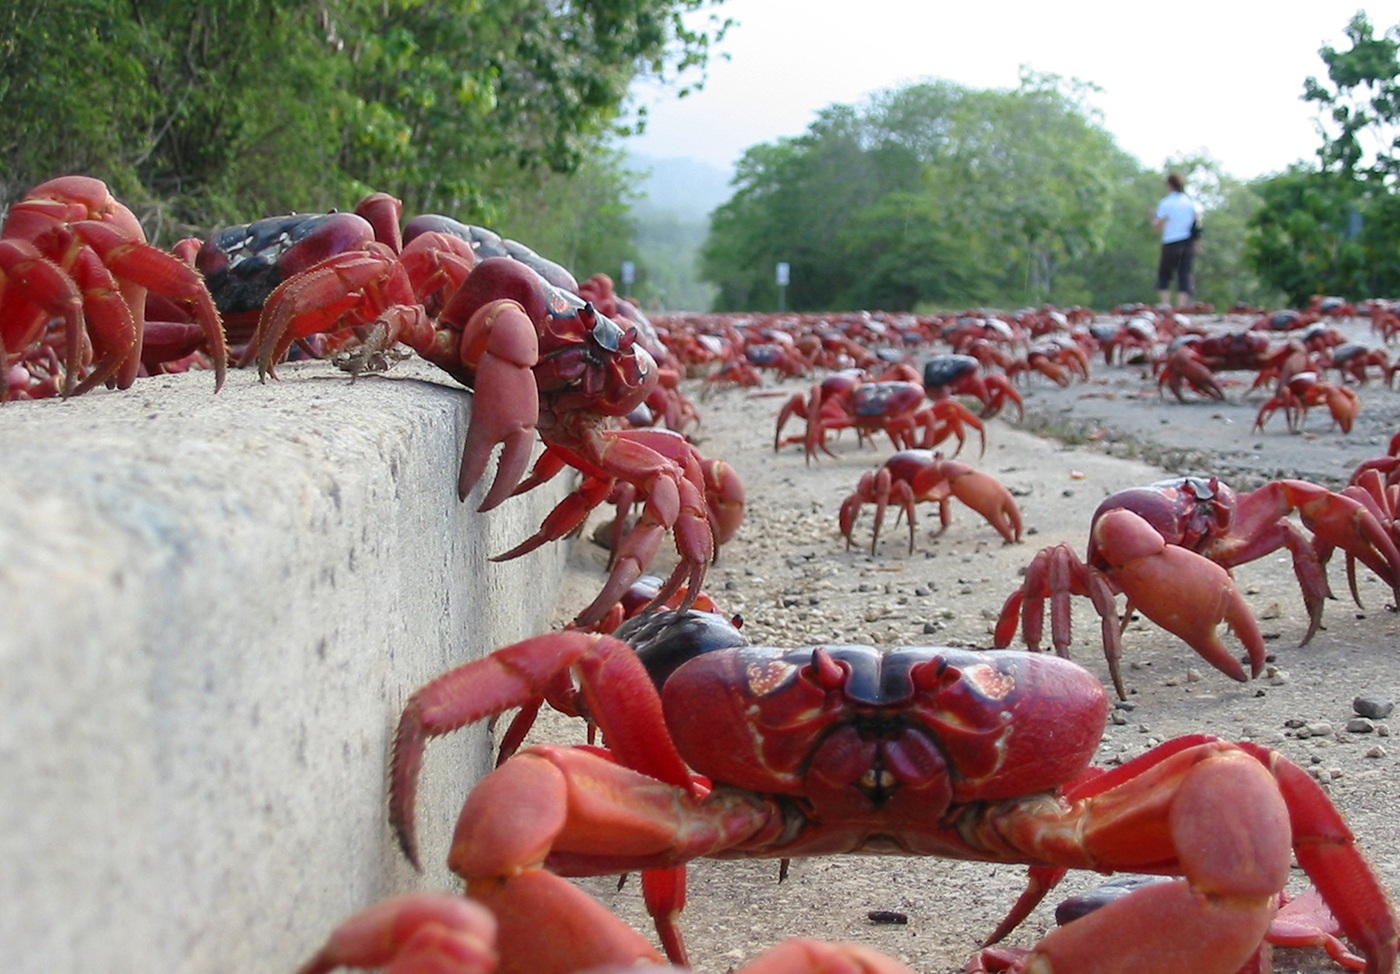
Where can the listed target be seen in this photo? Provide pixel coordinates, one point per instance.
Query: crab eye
(1200, 489)
(605, 331)
(934, 676)
(825, 672)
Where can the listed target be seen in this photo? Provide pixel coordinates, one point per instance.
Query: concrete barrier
(212, 609)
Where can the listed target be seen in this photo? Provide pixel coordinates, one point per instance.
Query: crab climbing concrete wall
(212, 609)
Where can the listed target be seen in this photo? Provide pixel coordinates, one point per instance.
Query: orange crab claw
(980, 491)
(501, 343)
(1183, 592)
(423, 933)
(545, 925)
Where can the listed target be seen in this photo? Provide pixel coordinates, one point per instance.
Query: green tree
(1031, 170)
(219, 112)
(1361, 98)
(73, 96)
(933, 194)
(1331, 228)
(1306, 236)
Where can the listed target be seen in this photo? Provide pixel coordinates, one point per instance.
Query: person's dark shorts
(1177, 259)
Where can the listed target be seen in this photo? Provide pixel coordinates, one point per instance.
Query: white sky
(1178, 77)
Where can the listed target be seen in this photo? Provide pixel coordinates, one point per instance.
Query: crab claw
(501, 342)
(980, 491)
(1183, 592)
(417, 931)
(724, 498)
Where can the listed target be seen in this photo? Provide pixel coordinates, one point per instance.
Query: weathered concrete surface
(212, 609)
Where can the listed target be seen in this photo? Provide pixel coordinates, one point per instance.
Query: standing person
(1177, 218)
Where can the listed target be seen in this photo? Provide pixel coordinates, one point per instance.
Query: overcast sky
(1220, 76)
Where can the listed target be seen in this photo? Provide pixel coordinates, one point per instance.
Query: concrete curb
(212, 609)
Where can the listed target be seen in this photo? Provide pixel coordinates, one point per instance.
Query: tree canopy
(220, 112)
(940, 195)
(1331, 227)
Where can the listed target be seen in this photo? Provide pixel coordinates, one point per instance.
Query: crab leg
(620, 696)
(1340, 521)
(348, 289)
(501, 342)
(546, 925)
(1057, 573)
(949, 417)
(1326, 849)
(145, 267)
(668, 475)
(111, 330)
(51, 293)
(1223, 816)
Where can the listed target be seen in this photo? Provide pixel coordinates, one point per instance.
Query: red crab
(244, 264)
(71, 253)
(898, 408)
(539, 360)
(1301, 392)
(774, 753)
(913, 476)
(1131, 340)
(1193, 361)
(946, 376)
(1169, 548)
(1059, 358)
(1353, 359)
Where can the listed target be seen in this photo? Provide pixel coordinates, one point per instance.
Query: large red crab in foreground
(539, 359)
(911, 477)
(75, 272)
(776, 753)
(1169, 548)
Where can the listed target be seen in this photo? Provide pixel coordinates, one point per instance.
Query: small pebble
(1360, 725)
(887, 916)
(1373, 705)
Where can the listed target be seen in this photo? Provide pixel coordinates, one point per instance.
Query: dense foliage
(1332, 227)
(939, 195)
(202, 114)
(502, 113)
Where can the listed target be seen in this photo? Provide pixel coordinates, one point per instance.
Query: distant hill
(673, 219)
(685, 187)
